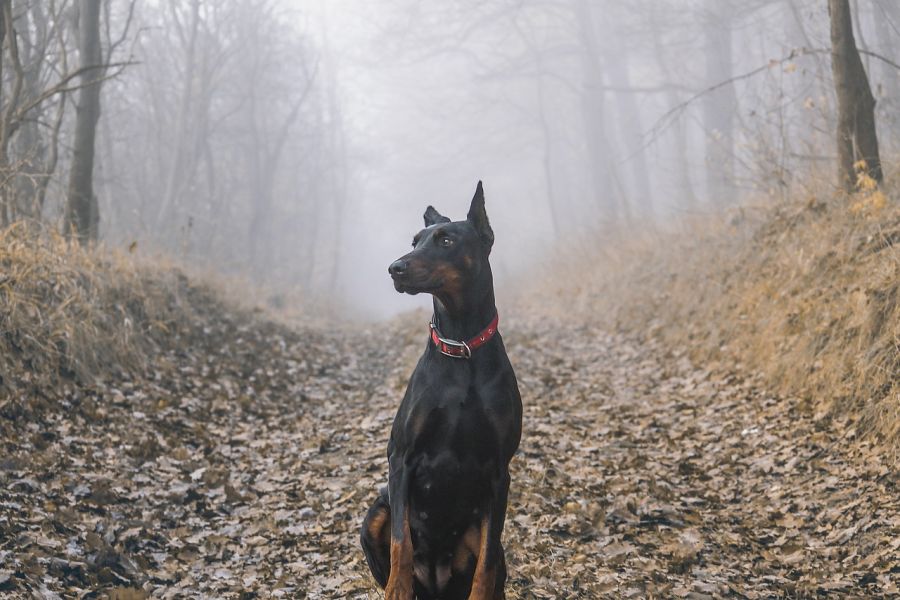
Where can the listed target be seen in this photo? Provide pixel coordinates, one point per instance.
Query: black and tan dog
(435, 532)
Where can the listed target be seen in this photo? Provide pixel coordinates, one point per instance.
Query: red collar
(458, 349)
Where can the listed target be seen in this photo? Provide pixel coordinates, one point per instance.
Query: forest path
(244, 468)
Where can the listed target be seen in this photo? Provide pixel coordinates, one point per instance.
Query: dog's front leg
(488, 565)
(400, 581)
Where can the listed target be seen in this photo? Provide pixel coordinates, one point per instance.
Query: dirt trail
(243, 468)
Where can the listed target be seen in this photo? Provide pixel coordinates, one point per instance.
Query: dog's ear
(432, 216)
(478, 218)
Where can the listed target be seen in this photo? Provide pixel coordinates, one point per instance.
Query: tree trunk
(178, 169)
(719, 107)
(337, 180)
(628, 119)
(685, 187)
(29, 145)
(857, 140)
(547, 156)
(606, 185)
(5, 199)
(887, 90)
(82, 215)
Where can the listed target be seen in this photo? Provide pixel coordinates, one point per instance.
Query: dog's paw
(398, 590)
(483, 588)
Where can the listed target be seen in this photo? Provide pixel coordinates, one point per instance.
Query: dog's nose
(398, 267)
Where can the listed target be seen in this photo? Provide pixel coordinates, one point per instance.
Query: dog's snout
(398, 267)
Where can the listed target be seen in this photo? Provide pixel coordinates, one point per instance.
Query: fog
(297, 143)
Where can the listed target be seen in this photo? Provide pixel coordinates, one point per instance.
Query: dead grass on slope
(73, 315)
(808, 293)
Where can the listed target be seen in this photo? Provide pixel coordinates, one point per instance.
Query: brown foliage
(807, 293)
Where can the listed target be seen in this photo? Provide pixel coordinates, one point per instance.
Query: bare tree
(886, 81)
(190, 119)
(607, 187)
(82, 213)
(230, 109)
(857, 140)
(679, 133)
(630, 127)
(720, 104)
(8, 122)
(271, 110)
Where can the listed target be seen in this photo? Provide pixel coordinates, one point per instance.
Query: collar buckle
(459, 348)
(444, 345)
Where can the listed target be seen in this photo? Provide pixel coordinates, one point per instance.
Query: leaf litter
(241, 464)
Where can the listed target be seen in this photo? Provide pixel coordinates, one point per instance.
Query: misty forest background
(297, 142)
(697, 264)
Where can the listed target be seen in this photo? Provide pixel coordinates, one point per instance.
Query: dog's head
(447, 256)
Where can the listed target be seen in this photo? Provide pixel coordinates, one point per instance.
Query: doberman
(434, 533)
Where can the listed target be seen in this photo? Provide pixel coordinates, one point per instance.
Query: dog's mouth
(402, 287)
(411, 289)
(408, 285)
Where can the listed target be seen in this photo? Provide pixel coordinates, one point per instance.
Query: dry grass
(74, 315)
(806, 293)
(73, 318)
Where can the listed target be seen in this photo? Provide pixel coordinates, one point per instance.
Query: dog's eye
(445, 242)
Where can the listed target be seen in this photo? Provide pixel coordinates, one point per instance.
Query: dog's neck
(474, 312)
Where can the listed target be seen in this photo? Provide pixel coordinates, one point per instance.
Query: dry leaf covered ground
(241, 464)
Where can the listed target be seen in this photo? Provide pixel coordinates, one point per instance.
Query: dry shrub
(808, 293)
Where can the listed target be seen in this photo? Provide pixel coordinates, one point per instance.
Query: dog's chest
(457, 417)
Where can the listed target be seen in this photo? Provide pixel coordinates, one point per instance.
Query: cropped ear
(432, 216)
(478, 218)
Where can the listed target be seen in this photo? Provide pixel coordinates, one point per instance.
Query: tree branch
(61, 86)
(878, 56)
